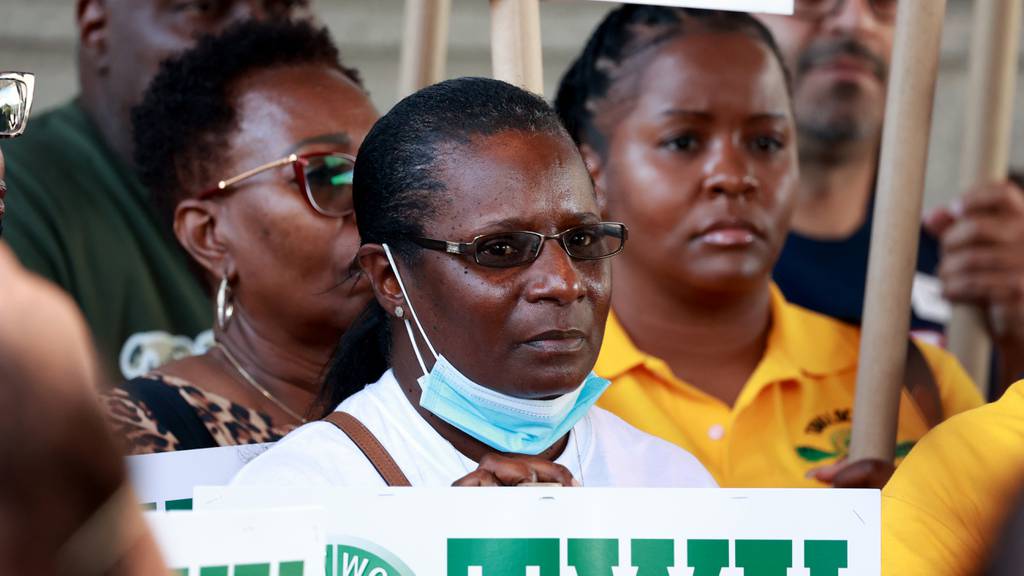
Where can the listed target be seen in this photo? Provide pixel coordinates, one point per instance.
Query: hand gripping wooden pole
(992, 78)
(897, 218)
(425, 44)
(515, 43)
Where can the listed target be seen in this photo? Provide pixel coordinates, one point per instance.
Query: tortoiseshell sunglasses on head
(326, 178)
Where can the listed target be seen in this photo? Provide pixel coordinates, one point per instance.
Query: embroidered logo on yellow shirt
(837, 424)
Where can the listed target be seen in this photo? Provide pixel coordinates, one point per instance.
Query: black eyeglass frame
(470, 248)
(837, 4)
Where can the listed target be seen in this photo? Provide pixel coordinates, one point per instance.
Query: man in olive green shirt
(76, 212)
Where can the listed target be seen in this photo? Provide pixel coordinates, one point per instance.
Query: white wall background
(39, 36)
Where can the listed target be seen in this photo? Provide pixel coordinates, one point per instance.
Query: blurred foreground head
(64, 508)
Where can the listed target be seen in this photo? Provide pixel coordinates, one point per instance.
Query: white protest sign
(265, 542)
(766, 6)
(165, 481)
(585, 532)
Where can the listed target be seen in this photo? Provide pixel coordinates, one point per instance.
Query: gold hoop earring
(225, 306)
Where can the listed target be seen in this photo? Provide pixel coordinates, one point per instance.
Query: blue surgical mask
(503, 422)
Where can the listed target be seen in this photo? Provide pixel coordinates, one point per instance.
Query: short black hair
(626, 32)
(395, 185)
(186, 117)
(396, 189)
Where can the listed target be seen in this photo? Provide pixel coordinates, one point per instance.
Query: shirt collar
(807, 342)
(800, 343)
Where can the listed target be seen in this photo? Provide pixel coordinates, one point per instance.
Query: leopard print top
(229, 423)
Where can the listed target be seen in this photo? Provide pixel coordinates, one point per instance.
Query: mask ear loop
(408, 326)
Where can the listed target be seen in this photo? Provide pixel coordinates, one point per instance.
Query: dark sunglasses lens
(330, 183)
(507, 250)
(13, 102)
(594, 241)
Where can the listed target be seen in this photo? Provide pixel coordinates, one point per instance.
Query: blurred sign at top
(767, 6)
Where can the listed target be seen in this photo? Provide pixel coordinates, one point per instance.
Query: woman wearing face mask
(247, 143)
(491, 274)
(685, 121)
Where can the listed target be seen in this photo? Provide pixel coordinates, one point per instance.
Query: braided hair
(625, 33)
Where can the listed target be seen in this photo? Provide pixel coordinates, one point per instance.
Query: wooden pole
(897, 218)
(515, 43)
(425, 45)
(992, 79)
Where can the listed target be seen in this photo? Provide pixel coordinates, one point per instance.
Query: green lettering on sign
(291, 568)
(353, 561)
(213, 571)
(653, 557)
(252, 570)
(593, 557)
(503, 556)
(764, 557)
(707, 557)
(825, 557)
(183, 504)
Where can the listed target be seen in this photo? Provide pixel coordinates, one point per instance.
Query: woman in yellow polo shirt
(685, 121)
(943, 510)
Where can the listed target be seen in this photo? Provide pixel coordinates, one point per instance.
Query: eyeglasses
(326, 179)
(885, 10)
(510, 249)
(16, 90)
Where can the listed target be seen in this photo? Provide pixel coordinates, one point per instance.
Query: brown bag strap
(921, 384)
(371, 447)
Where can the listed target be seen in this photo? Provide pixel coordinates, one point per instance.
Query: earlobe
(595, 166)
(196, 227)
(386, 288)
(92, 31)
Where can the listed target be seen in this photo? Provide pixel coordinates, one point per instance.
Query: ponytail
(361, 358)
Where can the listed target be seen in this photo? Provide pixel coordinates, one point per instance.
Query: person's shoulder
(972, 446)
(378, 404)
(60, 164)
(316, 454)
(938, 358)
(952, 489)
(141, 387)
(822, 324)
(987, 428)
(320, 454)
(55, 134)
(665, 463)
(956, 388)
(819, 337)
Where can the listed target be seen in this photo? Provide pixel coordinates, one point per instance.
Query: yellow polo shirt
(792, 415)
(944, 508)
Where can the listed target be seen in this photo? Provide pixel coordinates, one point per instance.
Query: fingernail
(957, 207)
(576, 483)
